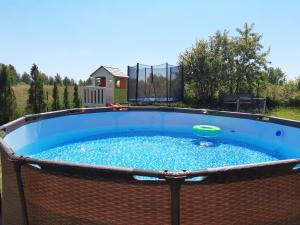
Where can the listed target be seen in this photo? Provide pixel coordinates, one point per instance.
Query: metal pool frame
(42, 192)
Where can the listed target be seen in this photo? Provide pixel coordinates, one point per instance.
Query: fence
(93, 96)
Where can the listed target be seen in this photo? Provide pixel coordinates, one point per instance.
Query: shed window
(101, 81)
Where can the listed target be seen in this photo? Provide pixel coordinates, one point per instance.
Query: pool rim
(132, 172)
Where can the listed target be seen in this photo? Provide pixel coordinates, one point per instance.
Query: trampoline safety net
(160, 83)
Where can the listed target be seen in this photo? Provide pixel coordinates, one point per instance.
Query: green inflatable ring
(206, 130)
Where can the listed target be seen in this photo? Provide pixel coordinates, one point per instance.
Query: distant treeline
(25, 78)
(37, 100)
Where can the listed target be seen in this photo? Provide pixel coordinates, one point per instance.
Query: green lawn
(286, 112)
(120, 95)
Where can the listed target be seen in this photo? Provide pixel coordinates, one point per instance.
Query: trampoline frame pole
(137, 81)
(145, 84)
(167, 87)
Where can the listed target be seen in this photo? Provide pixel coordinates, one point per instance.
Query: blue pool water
(157, 151)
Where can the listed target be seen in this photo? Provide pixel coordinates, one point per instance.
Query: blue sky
(74, 37)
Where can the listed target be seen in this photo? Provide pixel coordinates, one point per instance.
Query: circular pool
(154, 140)
(150, 146)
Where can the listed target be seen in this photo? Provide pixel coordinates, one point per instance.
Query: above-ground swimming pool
(151, 141)
(145, 165)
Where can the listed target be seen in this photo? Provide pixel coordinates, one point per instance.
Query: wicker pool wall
(41, 192)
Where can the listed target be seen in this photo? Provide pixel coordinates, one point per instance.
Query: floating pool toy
(206, 130)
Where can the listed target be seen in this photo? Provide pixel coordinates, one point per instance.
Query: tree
(275, 76)
(44, 77)
(194, 62)
(58, 79)
(80, 83)
(51, 80)
(26, 78)
(76, 99)
(297, 80)
(89, 81)
(250, 60)
(13, 75)
(208, 67)
(72, 82)
(66, 81)
(66, 98)
(225, 65)
(8, 103)
(55, 96)
(36, 97)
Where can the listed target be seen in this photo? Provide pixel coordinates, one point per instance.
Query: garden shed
(109, 86)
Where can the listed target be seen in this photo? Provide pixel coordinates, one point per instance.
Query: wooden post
(238, 104)
(264, 109)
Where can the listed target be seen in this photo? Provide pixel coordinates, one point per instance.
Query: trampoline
(160, 83)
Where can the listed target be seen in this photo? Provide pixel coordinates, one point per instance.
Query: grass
(21, 93)
(120, 95)
(286, 112)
